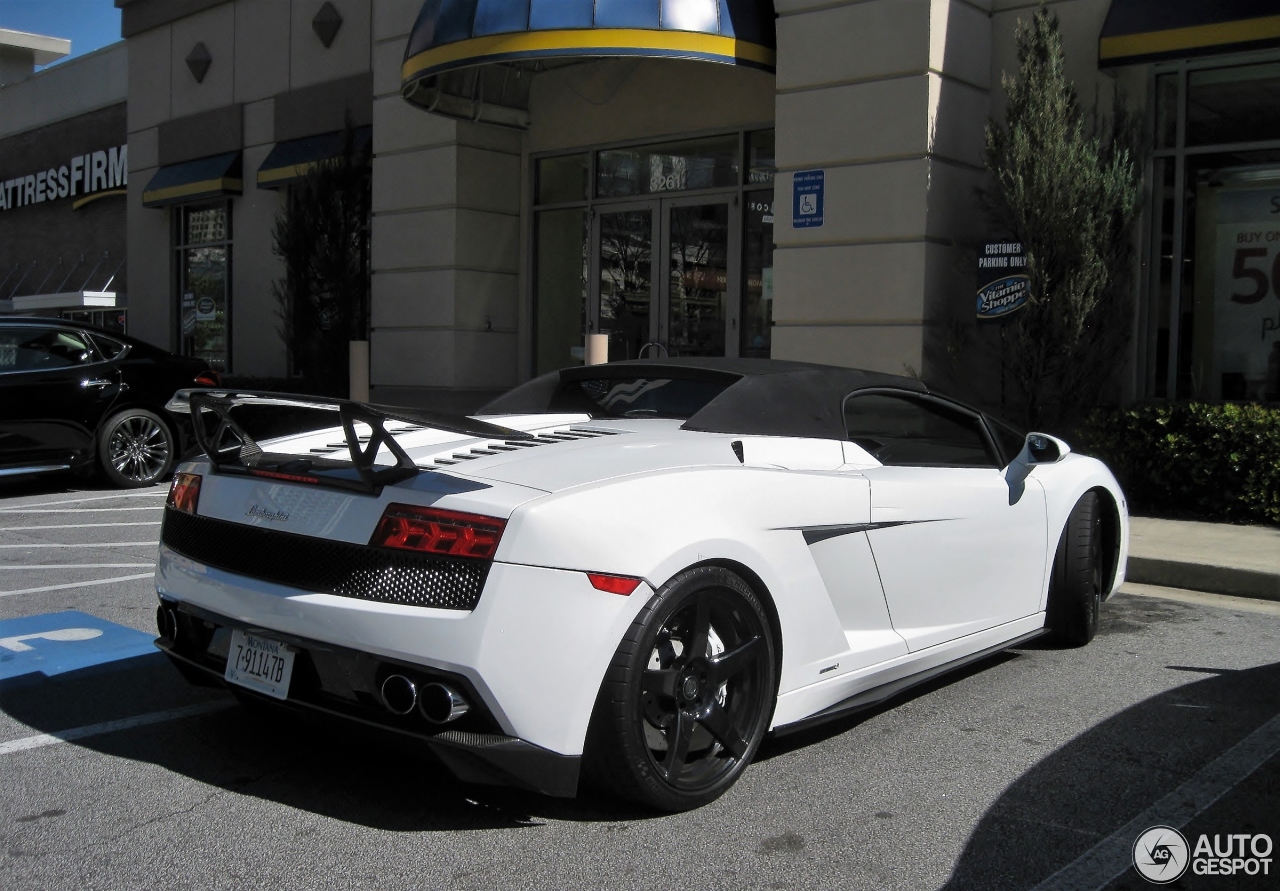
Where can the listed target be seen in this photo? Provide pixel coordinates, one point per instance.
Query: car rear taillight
(184, 492)
(613, 584)
(429, 530)
(209, 379)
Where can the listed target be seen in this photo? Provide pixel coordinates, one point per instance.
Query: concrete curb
(1204, 577)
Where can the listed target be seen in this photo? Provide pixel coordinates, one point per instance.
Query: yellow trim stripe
(222, 184)
(293, 171)
(601, 41)
(1194, 37)
(89, 199)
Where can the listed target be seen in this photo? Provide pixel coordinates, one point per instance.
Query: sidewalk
(1243, 561)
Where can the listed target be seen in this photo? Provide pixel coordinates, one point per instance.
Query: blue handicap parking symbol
(809, 192)
(55, 643)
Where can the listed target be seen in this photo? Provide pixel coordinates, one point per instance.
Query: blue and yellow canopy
(452, 34)
(1150, 30)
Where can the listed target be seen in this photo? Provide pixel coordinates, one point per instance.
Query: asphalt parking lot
(1034, 769)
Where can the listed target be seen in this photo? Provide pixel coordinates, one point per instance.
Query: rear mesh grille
(324, 566)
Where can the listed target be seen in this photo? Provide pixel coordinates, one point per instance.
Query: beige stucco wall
(446, 224)
(258, 50)
(66, 90)
(888, 97)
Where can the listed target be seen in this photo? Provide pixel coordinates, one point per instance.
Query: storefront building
(793, 179)
(63, 175)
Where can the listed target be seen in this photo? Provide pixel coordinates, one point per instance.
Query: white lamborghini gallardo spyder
(633, 571)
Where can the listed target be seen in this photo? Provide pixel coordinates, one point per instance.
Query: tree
(322, 235)
(1069, 192)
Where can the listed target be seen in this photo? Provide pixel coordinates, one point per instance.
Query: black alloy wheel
(689, 694)
(136, 448)
(1076, 581)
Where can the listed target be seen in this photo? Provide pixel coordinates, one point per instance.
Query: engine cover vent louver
(496, 447)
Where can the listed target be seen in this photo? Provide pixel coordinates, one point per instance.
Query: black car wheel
(689, 694)
(135, 448)
(1076, 582)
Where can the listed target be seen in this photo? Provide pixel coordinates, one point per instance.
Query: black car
(72, 396)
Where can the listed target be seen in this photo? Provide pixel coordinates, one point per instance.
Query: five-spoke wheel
(689, 694)
(136, 448)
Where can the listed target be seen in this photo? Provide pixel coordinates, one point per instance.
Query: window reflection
(677, 166)
(204, 252)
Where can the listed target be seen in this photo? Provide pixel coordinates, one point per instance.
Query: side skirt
(876, 695)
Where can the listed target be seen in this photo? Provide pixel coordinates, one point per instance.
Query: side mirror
(1041, 448)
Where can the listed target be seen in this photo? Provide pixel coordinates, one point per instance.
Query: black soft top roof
(765, 397)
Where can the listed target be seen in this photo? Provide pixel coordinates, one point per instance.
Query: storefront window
(202, 241)
(562, 179)
(761, 166)
(1166, 111)
(1237, 104)
(757, 298)
(561, 281)
(674, 167)
(1214, 304)
(1233, 277)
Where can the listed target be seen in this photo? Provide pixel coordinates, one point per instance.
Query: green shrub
(1207, 462)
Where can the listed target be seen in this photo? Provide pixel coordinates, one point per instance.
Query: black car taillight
(429, 530)
(184, 492)
(208, 379)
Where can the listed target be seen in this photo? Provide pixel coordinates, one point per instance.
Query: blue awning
(1147, 31)
(453, 34)
(194, 180)
(290, 161)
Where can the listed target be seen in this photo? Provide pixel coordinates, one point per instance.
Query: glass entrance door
(664, 273)
(696, 280)
(624, 300)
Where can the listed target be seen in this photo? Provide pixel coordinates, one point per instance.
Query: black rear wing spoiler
(231, 449)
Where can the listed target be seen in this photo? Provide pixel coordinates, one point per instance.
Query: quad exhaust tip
(399, 694)
(441, 704)
(167, 622)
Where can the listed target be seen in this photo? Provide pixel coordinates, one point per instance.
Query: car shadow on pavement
(341, 771)
(1102, 779)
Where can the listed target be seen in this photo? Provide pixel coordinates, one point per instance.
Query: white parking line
(78, 510)
(84, 544)
(74, 733)
(75, 565)
(1110, 858)
(77, 526)
(120, 578)
(151, 494)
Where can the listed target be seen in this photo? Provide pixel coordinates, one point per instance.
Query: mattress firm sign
(1003, 283)
(82, 175)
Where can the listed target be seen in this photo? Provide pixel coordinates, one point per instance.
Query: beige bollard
(359, 371)
(597, 349)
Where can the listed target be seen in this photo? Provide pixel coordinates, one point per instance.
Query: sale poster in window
(1246, 291)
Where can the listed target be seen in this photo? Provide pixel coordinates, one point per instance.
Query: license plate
(260, 664)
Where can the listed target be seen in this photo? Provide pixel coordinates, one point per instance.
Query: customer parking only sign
(1003, 283)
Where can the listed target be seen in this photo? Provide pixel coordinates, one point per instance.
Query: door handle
(95, 383)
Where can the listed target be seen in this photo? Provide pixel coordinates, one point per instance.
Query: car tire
(1075, 584)
(688, 696)
(136, 448)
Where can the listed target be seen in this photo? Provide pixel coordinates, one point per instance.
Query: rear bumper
(534, 651)
(342, 684)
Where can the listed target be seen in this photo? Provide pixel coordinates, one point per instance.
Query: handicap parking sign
(55, 643)
(808, 189)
